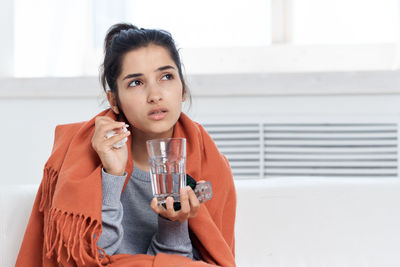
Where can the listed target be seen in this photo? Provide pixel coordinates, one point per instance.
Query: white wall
(28, 133)
(280, 221)
(28, 124)
(28, 120)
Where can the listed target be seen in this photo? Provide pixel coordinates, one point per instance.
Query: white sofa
(280, 222)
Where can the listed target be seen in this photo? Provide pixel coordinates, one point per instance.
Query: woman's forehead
(146, 59)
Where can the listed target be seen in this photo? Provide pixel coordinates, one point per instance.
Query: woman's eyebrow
(133, 75)
(165, 68)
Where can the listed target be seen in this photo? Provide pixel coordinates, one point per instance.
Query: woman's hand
(113, 159)
(189, 206)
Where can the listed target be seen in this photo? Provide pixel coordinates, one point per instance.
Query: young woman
(95, 205)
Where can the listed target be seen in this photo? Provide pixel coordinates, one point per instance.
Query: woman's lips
(158, 115)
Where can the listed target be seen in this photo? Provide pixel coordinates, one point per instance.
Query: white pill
(119, 144)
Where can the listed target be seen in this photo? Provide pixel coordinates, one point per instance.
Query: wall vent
(261, 150)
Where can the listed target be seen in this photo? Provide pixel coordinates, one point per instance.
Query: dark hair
(122, 38)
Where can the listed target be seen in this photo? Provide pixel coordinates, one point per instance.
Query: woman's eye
(167, 77)
(135, 83)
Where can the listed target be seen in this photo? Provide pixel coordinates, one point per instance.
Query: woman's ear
(112, 101)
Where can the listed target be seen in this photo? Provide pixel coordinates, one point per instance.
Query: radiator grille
(303, 150)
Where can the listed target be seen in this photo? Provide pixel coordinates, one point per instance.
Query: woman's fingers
(104, 120)
(170, 213)
(118, 137)
(154, 206)
(103, 125)
(167, 212)
(185, 211)
(113, 160)
(110, 126)
(194, 203)
(189, 206)
(105, 145)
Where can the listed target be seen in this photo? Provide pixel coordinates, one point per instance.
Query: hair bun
(116, 29)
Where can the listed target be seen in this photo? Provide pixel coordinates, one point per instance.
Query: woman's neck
(139, 150)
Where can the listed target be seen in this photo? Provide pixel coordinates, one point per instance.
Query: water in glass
(167, 159)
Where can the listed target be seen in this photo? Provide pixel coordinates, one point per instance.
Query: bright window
(206, 23)
(65, 38)
(345, 21)
(52, 38)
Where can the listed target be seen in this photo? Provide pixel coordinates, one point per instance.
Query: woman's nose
(154, 94)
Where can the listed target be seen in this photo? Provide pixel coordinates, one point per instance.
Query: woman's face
(150, 91)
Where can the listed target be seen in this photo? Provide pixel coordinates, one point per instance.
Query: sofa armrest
(16, 202)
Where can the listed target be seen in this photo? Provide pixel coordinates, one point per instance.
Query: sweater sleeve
(112, 212)
(172, 237)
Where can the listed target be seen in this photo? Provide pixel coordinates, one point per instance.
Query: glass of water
(167, 160)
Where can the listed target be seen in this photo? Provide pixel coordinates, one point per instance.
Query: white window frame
(282, 56)
(7, 38)
(279, 57)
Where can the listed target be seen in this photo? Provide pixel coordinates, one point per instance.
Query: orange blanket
(65, 223)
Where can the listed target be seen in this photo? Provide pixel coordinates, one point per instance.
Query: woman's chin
(161, 134)
(155, 132)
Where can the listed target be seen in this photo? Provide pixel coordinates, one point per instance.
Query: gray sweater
(130, 226)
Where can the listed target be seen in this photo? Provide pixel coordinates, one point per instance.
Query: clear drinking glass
(167, 160)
